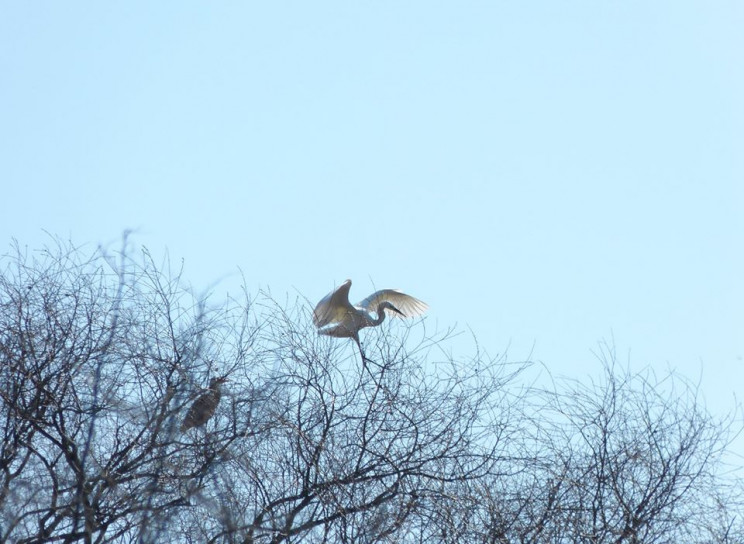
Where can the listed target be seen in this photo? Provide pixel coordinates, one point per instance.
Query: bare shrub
(102, 354)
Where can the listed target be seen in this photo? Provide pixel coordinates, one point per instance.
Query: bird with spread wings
(336, 316)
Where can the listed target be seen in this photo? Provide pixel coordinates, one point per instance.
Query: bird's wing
(407, 304)
(334, 306)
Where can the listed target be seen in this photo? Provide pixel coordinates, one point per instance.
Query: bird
(204, 407)
(336, 316)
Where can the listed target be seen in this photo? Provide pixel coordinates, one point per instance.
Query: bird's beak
(397, 310)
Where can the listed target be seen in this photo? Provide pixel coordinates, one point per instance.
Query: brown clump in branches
(205, 406)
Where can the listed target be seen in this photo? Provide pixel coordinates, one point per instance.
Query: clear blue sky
(547, 173)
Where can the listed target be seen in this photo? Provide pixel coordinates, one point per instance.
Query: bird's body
(204, 407)
(336, 316)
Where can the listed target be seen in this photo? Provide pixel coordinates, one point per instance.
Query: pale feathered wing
(333, 307)
(410, 306)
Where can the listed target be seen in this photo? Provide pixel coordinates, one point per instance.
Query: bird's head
(216, 382)
(389, 306)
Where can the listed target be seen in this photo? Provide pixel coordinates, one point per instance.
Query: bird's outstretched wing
(334, 306)
(410, 306)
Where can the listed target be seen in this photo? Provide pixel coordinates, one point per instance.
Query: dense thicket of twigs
(101, 356)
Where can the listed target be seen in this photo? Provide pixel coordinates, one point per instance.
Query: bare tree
(102, 354)
(98, 361)
(357, 453)
(630, 458)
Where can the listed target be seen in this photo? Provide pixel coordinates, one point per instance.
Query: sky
(547, 174)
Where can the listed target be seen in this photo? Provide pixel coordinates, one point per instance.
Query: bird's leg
(365, 366)
(365, 359)
(361, 351)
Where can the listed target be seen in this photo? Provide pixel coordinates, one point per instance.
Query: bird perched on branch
(336, 316)
(204, 407)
